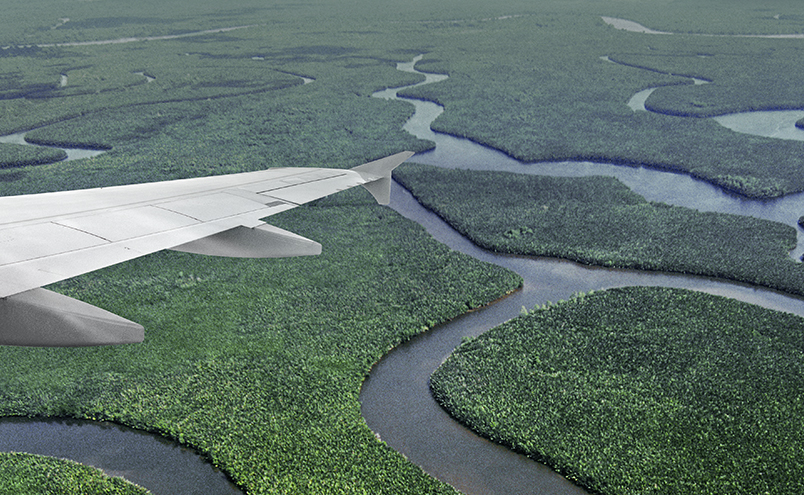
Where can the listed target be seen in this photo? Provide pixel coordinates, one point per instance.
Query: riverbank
(455, 455)
(599, 221)
(36, 474)
(161, 465)
(622, 389)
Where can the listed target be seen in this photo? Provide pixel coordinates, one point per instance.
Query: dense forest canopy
(258, 365)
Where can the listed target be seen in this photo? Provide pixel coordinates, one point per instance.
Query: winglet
(378, 175)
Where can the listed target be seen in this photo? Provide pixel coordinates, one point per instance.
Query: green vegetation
(27, 474)
(599, 221)
(20, 155)
(258, 363)
(641, 390)
(536, 68)
(769, 83)
(325, 122)
(309, 125)
(553, 98)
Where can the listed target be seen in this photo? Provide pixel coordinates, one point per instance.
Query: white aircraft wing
(45, 238)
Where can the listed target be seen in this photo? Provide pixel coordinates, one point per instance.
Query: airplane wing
(45, 238)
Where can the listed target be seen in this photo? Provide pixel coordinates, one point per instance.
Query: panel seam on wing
(82, 231)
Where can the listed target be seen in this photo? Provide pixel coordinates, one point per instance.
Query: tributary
(72, 153)
(396, 400)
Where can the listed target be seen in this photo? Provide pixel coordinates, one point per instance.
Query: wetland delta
(587, 161)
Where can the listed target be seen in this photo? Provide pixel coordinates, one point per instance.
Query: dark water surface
(396, 400)
(72, 153)
(156, 463)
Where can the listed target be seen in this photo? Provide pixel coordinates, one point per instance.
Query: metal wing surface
(45, 238)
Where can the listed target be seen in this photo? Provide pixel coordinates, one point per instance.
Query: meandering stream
(72, 153)
(396, 400)
(154, 462)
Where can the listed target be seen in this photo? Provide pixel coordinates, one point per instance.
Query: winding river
(396, 400)
(72, 153)
(154, 462)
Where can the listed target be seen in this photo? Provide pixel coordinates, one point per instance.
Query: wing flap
(212, 206)
(120, 225)
(263, 241)
(40, 317)
(311, 186)
(41, 240)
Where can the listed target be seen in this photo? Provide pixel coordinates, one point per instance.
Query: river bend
(396, 400)
(161, 465)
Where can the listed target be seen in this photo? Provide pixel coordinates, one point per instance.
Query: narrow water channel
(396, 400)
(151, 461)
(72, 153)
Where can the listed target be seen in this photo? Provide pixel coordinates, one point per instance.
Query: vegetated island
(28, 474)
(641, 390)
(20, 155)
(599, 221)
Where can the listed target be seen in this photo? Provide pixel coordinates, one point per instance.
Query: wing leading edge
(45, 238)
